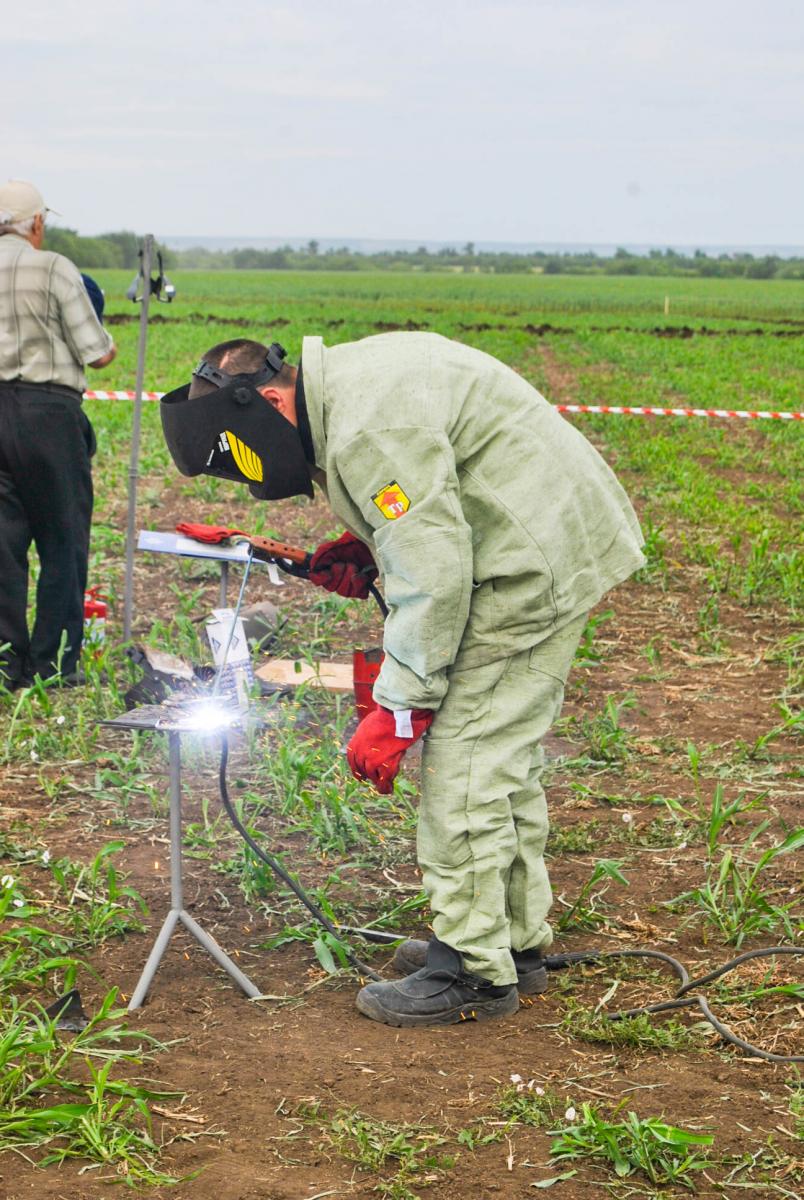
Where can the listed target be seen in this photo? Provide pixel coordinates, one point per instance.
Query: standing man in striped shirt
(48, 332)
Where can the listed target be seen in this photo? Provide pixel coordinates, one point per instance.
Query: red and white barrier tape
(608, 409)
(680, 412)
(122, 395)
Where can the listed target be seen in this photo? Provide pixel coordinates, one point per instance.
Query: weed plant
(663, 1153)
(586, 910)
(588, 653)
(581, 838)
(733, 897)
(527, 1103)
(608, 742)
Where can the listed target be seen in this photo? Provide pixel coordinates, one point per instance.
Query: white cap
(20, 200)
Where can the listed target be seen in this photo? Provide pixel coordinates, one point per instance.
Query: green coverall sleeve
(424, 556)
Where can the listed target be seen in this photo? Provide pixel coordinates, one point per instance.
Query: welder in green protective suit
(495, 527)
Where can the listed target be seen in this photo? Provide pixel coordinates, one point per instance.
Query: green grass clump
(55, 1098)
(402, 1155)
(641, 1033)
(661, 1152)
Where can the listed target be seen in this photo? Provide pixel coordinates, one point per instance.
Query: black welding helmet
(233, 432)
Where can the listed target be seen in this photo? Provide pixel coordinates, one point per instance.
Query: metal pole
(133, 470)
(224, 583)
(174, 759)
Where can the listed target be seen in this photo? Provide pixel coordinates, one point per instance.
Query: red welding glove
(380, 741)
(345, 566)
(206, 533)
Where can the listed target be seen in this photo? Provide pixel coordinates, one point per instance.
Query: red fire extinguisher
(95, 610)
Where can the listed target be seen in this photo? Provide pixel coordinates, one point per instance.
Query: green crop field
(674, 782)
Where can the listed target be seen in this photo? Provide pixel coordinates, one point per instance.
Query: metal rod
(220, 956)
(174, 758)
(133, 470)
(238, 606)
(224, 583)
(154, 958)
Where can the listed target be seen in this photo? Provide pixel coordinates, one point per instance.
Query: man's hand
(345, 566)
(104, 361)
(380, 741)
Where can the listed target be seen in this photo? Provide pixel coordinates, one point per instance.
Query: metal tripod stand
(153, 718)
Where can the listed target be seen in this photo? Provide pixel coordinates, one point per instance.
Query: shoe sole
(529, 983)
(486, 1010)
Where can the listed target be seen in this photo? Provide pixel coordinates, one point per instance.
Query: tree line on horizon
(121, 249)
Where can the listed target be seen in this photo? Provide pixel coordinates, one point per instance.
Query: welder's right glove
(380, 741)
(345, 566)
(212, 534)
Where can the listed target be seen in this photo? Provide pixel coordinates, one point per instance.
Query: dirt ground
(248, 1070)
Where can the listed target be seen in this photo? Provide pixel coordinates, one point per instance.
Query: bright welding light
(207, 716)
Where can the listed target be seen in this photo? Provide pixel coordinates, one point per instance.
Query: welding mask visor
(235, 433)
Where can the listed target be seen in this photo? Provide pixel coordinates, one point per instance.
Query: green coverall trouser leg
(483, 815)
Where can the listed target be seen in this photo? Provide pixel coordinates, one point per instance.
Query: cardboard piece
(287, 672)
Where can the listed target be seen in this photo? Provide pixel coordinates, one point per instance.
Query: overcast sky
(528, 120)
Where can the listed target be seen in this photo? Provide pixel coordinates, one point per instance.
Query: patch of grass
(54, 1098)
(405, 1155)
(661, 1152)
(640, 1033)
(99, 905)
(581, 838)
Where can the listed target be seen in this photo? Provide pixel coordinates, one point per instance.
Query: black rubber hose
(735, 962)
(683, 997)
(278, 870)
(556, 962)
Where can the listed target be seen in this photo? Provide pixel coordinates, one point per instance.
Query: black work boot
(441, 993)
(531, 974)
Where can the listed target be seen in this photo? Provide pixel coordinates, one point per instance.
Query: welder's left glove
(380, 741)
(345, 566)
(206, 533)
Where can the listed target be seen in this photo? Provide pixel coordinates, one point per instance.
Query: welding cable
(383, 607)
(682, 998)
(362, 968)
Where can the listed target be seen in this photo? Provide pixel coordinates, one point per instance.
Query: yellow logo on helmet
(249, 463)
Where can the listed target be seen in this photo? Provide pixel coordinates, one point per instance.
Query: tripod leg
(223, 959)
(149, 970)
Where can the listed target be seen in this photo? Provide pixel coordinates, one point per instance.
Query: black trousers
(46, 442)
